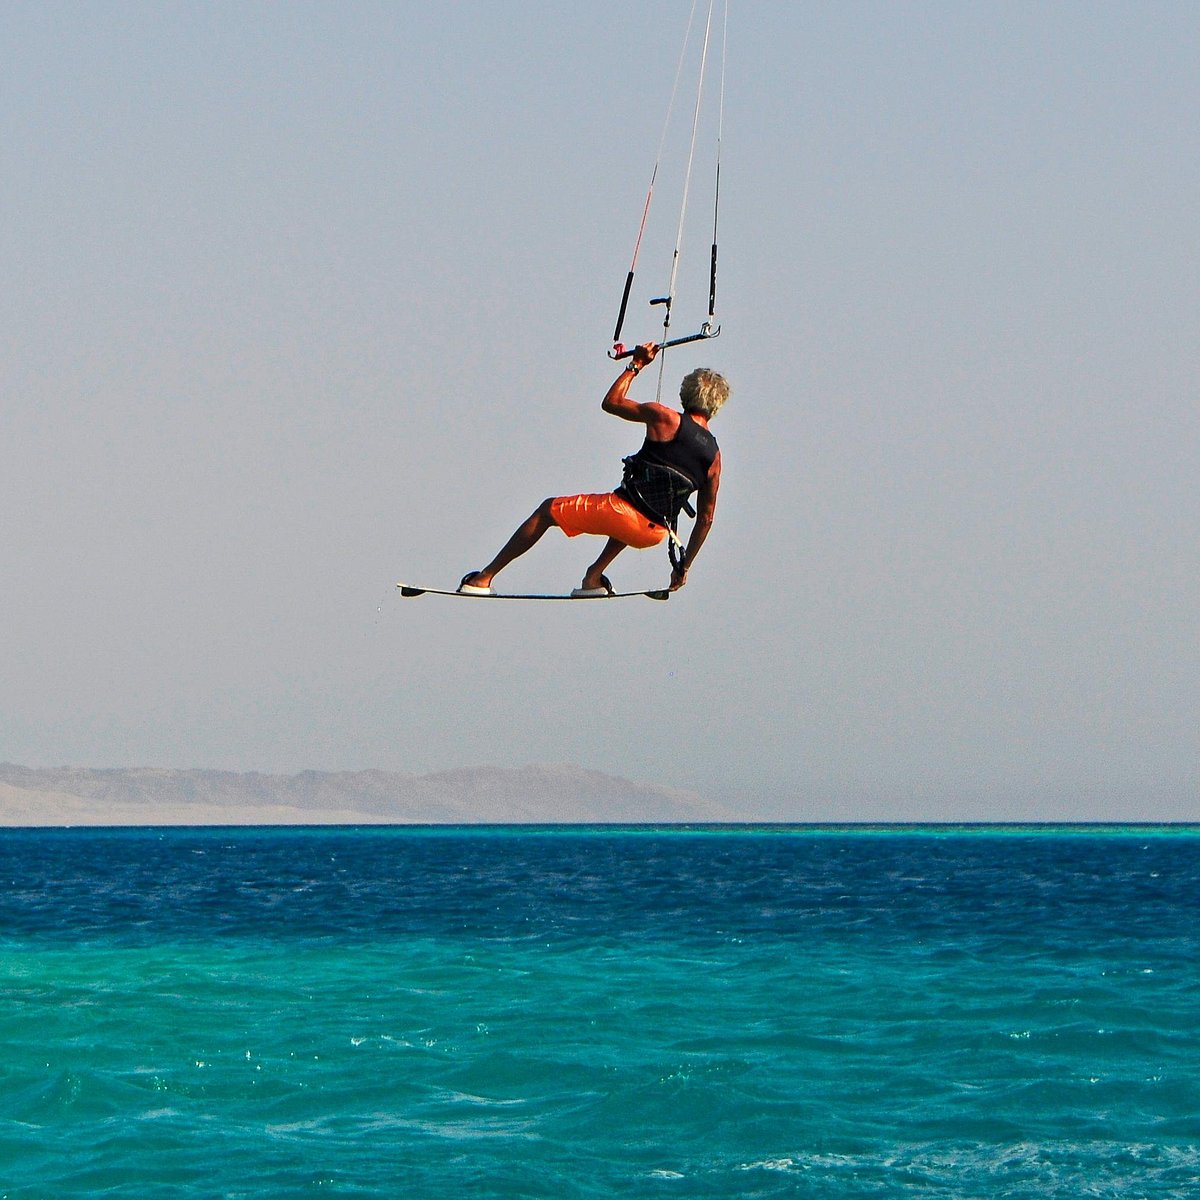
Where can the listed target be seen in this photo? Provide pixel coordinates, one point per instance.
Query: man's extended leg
(593, 577)
(523, 539)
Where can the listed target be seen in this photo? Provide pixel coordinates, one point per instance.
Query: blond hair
(703, 392)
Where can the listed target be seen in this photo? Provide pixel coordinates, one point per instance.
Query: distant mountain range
(60, 796)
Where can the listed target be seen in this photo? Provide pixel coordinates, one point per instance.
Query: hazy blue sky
(304, 299)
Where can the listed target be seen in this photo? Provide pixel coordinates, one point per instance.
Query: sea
(569, 1013)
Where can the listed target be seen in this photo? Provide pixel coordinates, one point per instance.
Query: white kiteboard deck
(408, 589)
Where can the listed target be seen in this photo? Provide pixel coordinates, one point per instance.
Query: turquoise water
(593, 1013)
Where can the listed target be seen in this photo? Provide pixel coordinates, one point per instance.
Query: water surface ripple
(600, 1012)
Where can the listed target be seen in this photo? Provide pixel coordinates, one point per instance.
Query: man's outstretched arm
(706, 510)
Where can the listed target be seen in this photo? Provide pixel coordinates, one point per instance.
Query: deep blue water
(600, 1012)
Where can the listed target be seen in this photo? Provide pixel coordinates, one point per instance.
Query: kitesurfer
(679, 456)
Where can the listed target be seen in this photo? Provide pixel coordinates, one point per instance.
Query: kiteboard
(408, 589)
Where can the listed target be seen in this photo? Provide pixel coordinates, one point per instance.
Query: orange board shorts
(609, 515)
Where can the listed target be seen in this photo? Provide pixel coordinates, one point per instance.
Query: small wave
(483, 1101)
(1028, 1169)
(769, 1164)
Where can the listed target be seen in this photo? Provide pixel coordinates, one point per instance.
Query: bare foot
(591, 582)
(475, 579)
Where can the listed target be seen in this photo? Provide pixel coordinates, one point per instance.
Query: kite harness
(660, 478)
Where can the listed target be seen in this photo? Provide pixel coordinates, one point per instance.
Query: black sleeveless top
(689, 454)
